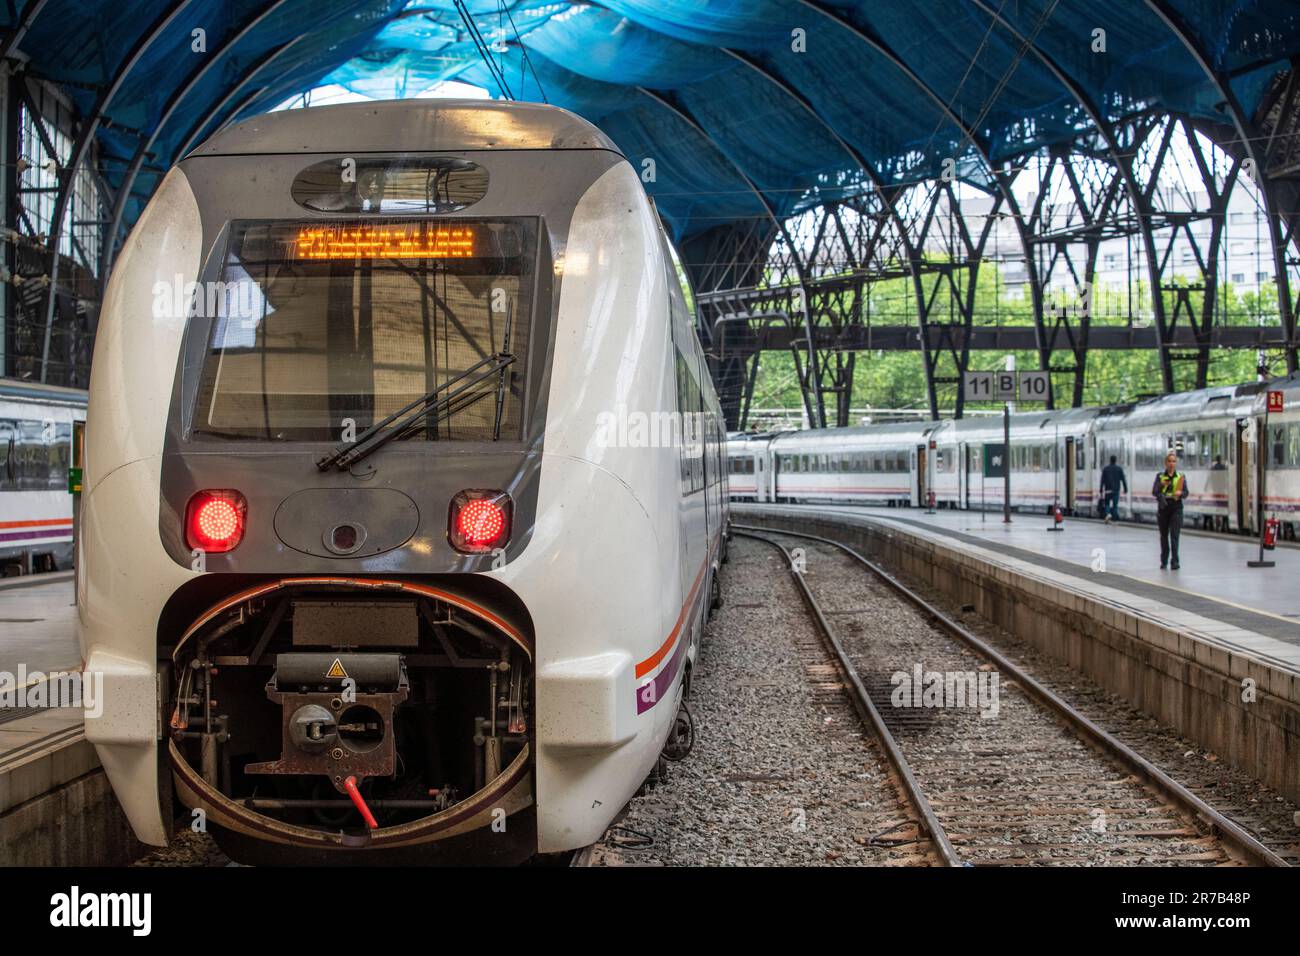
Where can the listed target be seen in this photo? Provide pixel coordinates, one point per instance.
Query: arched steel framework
(803, 283)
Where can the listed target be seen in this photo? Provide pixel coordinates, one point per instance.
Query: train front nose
(327, 714)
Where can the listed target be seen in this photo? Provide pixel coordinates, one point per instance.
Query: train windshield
(319, 330)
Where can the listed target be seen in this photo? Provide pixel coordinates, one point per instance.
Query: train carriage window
(33, 464)
(58, 452)
(317, 323)
(1293, 445)
(690, 402)
(1278, 445)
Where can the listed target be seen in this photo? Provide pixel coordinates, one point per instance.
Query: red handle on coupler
(350, 785)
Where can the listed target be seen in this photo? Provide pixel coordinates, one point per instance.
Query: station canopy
(744, 106)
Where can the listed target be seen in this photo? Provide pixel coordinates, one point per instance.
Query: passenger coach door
(960, 466)
(1245, 467)
(1069, 474)
(920, 477)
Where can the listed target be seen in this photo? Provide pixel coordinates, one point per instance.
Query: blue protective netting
(711, 90)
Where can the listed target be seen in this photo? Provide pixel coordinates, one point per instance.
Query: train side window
(59, 454)
(1293, 444)
(1279, 447)
(33, 465)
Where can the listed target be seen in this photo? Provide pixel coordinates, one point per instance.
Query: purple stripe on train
(44, 533)
(647, 695)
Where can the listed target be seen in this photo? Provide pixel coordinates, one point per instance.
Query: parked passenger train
(363, 578)
(1056, 459)
(39, 425)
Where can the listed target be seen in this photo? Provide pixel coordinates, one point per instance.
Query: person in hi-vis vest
(1169, 488)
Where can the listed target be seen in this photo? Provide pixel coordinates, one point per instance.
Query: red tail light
(214, 520)
(479, 521)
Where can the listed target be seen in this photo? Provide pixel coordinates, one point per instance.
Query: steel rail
(867, 709)
(1234, 837)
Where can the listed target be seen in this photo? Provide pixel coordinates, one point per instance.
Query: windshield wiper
(380, 434)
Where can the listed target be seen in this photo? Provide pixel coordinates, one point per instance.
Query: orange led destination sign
(413, 241)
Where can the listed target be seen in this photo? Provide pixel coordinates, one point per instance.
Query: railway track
(1033, 781)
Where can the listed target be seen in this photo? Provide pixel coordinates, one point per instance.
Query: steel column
(1247, 135)
(85, 135)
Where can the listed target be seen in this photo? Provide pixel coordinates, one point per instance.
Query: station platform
(1212, 649)
(55, 804)
(38, 637)
(1214, 584)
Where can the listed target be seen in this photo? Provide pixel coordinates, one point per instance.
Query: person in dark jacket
(1169, 489)
(1112, 480)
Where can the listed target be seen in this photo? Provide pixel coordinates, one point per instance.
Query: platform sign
(978, 386)
(995, 460)
(1035, 386)
(1275, 402)
(1004, 386)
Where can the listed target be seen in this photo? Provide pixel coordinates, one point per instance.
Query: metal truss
(812, 285)
(1123, 184)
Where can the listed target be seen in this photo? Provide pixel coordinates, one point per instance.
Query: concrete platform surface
(38, 624)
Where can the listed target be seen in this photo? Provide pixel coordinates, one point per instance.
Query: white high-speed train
(372, 565)
(1056, 459)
